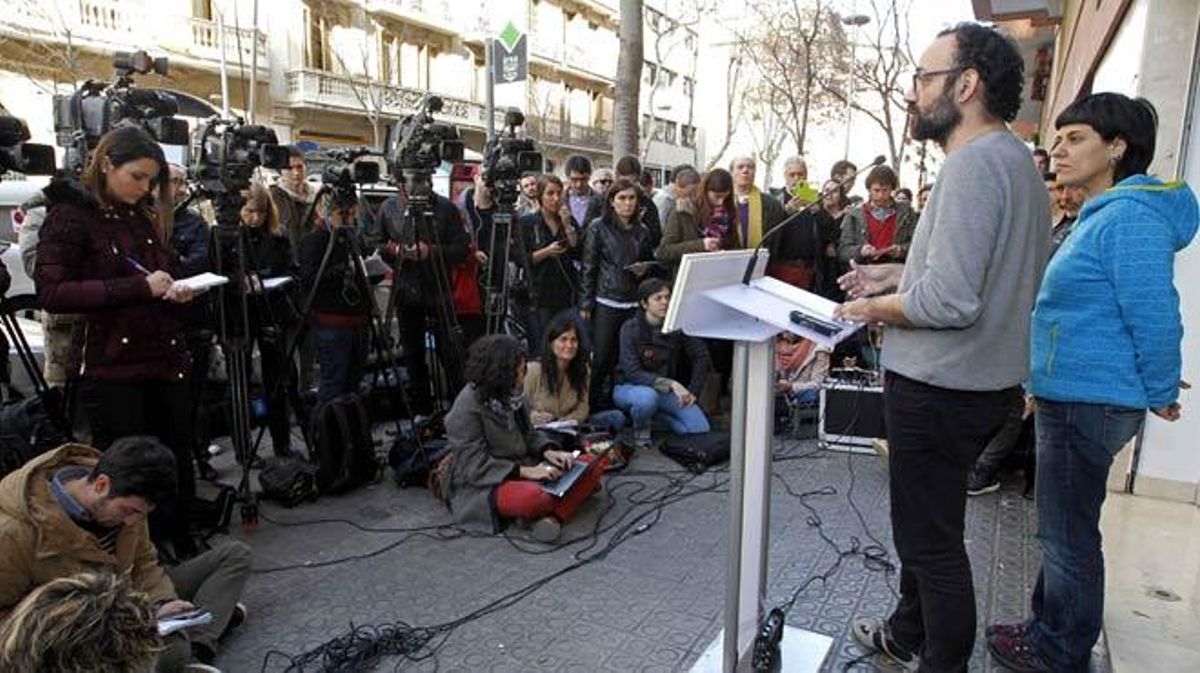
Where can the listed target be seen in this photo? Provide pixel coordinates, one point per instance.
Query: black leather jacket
(608, 249)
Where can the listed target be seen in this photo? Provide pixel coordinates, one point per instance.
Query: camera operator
(103, 253)
(341, 305)
(421, 255)
(269, 255)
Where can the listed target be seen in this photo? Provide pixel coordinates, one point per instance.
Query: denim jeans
(647, 406)
(935, 434)
(609, 419)
(342, 354)
(1076, 443)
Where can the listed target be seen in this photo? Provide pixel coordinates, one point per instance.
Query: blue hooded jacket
(1106, 325)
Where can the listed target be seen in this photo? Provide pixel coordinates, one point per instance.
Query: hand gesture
(868, 251)
(560, 459)
(685, 396)
(853, 311)
(159, 282)
(179, 294)
(174, 607)
(868, 281)
(712, 244)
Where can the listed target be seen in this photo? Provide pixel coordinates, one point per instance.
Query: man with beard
(957, 341)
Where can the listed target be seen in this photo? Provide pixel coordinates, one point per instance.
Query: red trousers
(525, 499)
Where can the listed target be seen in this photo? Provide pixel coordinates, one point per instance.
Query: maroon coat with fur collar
(84, 266)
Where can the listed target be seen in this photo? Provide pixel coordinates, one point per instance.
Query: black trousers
(159, 409)
(606, 337)
(413, 324)
(934, 436)
(278, 376)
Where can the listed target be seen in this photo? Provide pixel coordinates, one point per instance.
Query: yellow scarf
(756, 221)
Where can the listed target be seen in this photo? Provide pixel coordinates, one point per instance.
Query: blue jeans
(609, 419)
(647, 406)
(1076, 443)
(341, 354)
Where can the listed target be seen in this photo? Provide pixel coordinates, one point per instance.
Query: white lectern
(710, 301)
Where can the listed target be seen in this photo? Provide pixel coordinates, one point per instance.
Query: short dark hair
(1039, 152)
(882, 175)
(996, 58)
(842, 166)
(492, 365)
(652, 286)
(1113, 116)
(577, 163)
(295, 153)
(647, 179)
(543, 182)
(138, 466)
(905, 191)
(685, 174)
(628, 165)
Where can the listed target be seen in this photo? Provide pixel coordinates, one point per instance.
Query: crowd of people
(555, 317)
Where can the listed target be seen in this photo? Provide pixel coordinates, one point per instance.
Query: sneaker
(1008, 630)
(545, 529)
(875, 635)
(981, 481)
(236, 619)
(1016, 654)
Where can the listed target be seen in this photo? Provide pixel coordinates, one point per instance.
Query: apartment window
(316, 54)
(689, 87)
(203, 9)
(687, 135)
(646, 128)
(668, 77)
(669, 132)
(649, 73)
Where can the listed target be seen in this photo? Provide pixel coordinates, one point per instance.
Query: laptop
(566, 480)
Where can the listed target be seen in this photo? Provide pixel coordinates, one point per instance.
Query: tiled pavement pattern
(653, 604)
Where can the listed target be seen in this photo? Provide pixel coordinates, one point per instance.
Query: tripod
(498, 300)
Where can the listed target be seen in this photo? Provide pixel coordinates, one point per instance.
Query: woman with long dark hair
(1106, 338)
(617, 254)
(499, 461)
(706, 224)
(103, 252)
(552, 241)
(556, 385)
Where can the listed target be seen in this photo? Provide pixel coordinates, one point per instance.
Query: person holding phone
(617, 254)
(881, 229)
(552, 240)
(707, 223)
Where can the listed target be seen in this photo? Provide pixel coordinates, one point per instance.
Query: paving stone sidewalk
(652, 603)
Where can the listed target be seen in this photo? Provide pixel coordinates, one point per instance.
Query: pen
(137, 266)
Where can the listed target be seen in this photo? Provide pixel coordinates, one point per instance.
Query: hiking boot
(875, 635)
(545, 529)
(1016, 653)
(981, 481)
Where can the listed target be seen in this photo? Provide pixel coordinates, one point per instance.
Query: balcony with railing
(557, 132)
(433, 14)
(318, 89)
(109, 25)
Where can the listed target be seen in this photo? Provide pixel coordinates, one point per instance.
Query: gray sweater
(973, 270)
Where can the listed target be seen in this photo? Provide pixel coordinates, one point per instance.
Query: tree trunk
(629, 80)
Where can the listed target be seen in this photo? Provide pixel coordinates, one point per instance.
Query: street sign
(510, 56)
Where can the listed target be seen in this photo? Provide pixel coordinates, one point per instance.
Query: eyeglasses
(923, 76)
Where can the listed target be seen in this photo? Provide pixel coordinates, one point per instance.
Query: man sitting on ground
(74, 509)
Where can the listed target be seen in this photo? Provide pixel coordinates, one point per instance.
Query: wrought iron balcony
(556, 132)
(315, 88)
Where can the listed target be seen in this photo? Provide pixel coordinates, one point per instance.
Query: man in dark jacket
(294, 198)
(422, 250)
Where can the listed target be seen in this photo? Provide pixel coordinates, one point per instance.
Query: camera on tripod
(345, 172)
(418, 145)
(507, 157)
(18, 155)
(97, 107)
(228, 151)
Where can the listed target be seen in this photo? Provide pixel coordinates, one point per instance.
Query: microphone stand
(809, 209)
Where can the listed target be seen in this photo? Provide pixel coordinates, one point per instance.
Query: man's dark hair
(647, 180)
(138, 465)
(685, 174)
(996, 58)
(294, 153)
(882, 175)
(1039, 152)
(650, 287)
(577, 163)
(843, 166)
(905, 191)
(492, 366)
(628, 166)
(1113, 116)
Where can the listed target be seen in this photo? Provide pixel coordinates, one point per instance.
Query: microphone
(810, 208)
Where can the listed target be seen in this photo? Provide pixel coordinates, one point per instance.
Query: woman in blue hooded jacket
(1106, 348)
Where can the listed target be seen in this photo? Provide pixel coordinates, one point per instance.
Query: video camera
(418, 145)
(228, 151)
(345, 172)
(18, 155)
(81, 118)
(508, 157)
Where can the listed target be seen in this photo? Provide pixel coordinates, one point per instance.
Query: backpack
(340, 441)
(288, 481)
(412, 462)
(698, 452)
(28, 428)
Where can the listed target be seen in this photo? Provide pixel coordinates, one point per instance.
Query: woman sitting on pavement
(498, 458)
(800, 367)
(651, 362)
(556, 386)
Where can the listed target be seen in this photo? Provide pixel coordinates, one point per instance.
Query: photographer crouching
(103, 252)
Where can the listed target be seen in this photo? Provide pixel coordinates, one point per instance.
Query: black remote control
(815, 324)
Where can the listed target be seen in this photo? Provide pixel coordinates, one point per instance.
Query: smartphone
(805, 192)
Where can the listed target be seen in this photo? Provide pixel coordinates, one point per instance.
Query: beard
(938, 123)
